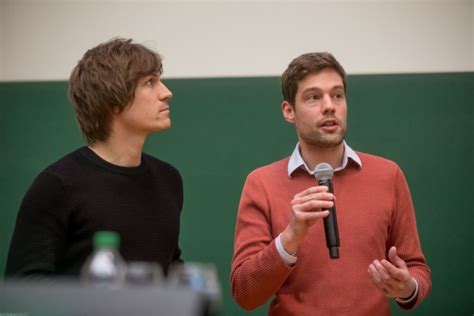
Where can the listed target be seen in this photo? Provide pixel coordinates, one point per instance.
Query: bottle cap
(106, 239)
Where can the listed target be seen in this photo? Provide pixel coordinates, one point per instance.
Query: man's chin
(323, 140)
(329, 142)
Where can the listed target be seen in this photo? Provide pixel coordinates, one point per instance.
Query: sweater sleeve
(404, 236)
(258, 270)
(39, 233)
(179, 194)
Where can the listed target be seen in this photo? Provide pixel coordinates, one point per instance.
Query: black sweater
(81, 194)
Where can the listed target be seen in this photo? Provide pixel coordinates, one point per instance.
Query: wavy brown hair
(105, 79)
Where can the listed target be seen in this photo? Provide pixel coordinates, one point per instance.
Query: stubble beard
(325, 140)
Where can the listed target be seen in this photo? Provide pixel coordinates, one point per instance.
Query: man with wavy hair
(110, 184)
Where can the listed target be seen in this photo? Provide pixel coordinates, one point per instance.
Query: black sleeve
(177, 253)
(39, 235)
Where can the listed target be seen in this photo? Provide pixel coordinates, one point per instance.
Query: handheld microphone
(323, 173)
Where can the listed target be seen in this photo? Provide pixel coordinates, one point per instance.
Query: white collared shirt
(296, 161)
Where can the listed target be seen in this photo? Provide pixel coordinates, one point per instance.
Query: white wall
(2, 19)
(43, 39)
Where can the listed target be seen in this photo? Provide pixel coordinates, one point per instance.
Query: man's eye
(313, 97)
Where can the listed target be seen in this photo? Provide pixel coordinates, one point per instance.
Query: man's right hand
(306, 208)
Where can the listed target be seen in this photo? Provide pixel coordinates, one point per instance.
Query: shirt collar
(296, 161)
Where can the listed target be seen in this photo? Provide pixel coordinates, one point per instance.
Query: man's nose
(328, 104)
(165, 93)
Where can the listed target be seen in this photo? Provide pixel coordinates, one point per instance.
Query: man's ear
(116, 110)
(288, 112)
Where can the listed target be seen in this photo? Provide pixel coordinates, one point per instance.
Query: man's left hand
(392, 277)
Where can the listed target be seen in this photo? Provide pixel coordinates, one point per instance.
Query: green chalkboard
(223, 128)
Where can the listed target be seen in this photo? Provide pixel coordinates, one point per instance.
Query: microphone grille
(323, 171)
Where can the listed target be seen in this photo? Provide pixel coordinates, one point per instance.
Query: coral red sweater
(374, 212)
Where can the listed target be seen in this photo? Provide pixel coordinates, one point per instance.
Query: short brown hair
(306, 64)
(105, 78)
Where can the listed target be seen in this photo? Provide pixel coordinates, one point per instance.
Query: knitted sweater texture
(374, 212)
(81, 194)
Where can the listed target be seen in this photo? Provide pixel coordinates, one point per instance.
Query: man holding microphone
(280, 249)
